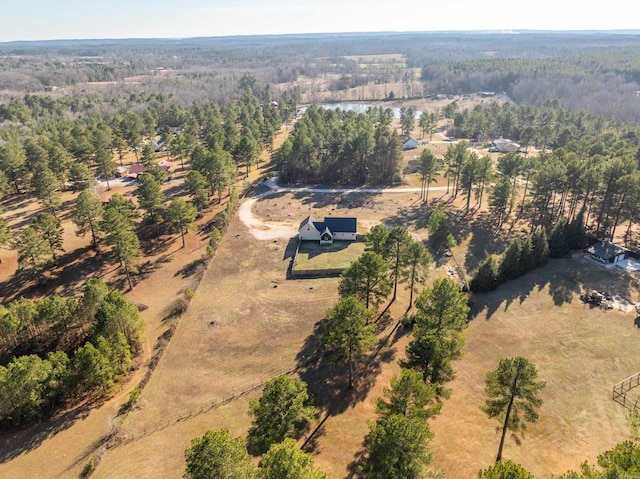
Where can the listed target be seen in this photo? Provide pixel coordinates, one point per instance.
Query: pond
(358, 108)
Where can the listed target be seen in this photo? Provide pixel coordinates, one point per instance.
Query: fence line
(621, 389)
(461, 272)
(216, 403)
(196, 411)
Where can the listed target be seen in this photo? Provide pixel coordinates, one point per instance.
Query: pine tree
(512, 391)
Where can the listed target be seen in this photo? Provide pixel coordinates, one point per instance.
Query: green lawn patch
(314, 256)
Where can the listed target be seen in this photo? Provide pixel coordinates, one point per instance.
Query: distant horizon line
(504, 31)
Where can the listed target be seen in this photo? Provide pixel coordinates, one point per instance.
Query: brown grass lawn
(247, 323)
(230, 340)
(580, 352)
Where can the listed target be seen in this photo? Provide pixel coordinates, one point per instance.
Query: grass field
(262, 325)
(314, 256)
(580, 352)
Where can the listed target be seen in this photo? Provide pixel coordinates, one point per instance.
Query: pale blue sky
(80, 19)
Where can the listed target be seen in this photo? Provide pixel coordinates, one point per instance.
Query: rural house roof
(505, 145)
(409, 143)
(605, 250)
(342, 225)
(137, 169)
(334, 224)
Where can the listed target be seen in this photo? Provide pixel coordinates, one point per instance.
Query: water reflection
(357, 108)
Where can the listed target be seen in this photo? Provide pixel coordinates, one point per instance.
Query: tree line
(525, 255)
(600, 80)
(593, 169)
(51, 155)
(334, 146)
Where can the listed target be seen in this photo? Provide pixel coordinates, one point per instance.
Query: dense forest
(79, 347)
(591, 71)
(332, 146)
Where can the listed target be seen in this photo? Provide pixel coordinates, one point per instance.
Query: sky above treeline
(91, 19)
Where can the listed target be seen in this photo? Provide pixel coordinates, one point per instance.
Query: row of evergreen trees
(523, 256)
(397, 444)
(47, 155)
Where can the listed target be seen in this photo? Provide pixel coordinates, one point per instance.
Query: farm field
(581, 352)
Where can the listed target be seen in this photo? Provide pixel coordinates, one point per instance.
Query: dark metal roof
(342, 225)
(335, 225)
(605, 250)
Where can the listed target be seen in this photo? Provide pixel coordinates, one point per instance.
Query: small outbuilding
(504, 145)
(410, 143)
(606, 252)
(122, 171)
(332, 228)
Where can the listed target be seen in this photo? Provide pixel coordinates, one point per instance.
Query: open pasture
(248, 323)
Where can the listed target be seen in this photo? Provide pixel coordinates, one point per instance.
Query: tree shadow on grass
(476, 226)
(158, 245)
(481, 232)
(328, 381)
(145, 269)
(416, 214)
(191, 269)
(336, 200)
(565, 279)
(353, 468)
(15, 442)
(71, 273)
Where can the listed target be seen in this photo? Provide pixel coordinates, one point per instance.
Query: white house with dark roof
(329, 230)
(605, 252)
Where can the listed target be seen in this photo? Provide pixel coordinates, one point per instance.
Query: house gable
(505, 145)
(337, 227)
(326, 237)
(410, 143)
(308, 230)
